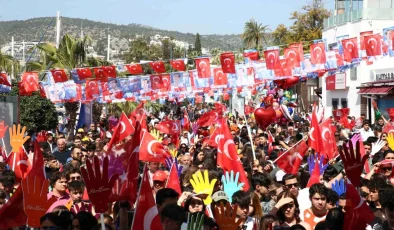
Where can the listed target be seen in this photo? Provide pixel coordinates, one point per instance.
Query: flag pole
(139, 194)
(287, 151)
(250, 137)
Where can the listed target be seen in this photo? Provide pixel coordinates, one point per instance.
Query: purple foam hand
(195, 128)
(354, 139)
(322, 166)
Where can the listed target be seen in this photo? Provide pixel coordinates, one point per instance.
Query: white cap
(279, 175)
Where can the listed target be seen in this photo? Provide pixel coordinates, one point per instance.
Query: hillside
(32, 29)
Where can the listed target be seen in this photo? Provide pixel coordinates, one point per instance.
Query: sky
(202, 16)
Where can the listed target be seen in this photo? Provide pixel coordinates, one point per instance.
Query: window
(344, 102)
(334, 103)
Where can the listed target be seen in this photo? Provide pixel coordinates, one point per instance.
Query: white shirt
(365, 134)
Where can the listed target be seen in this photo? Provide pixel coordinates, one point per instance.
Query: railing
(355, 15)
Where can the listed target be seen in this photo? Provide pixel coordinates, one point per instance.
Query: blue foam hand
(230, 184)
(321, 166)
(311, 163)
(339, 187)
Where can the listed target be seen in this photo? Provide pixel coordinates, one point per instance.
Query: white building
(360, 85)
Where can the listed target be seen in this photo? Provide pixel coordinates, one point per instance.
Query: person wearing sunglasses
(291, 184)
(287, 211)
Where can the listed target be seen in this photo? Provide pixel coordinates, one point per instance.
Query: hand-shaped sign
(203, 186)
(354, 165)
(376, 147)
(339, 187)
(97, 183)
(231, 184)
(194, 222)
(226, 218)
(390, 140)
(17, 137)
(35, 201)
(3, 129)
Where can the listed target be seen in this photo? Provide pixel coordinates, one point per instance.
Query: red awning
(375, 90)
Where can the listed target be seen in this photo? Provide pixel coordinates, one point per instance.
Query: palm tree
(254, 33)
(7, 62)
(215, 60)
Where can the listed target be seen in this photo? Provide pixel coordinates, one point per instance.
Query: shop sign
(382, 75)
(337, 81)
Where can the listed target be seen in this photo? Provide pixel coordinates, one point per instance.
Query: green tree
(37, 113)
(254, 34)
(216, 56)
(6, 63)
(281, 35)
(140, 49)
(166, 46)
(197, 45)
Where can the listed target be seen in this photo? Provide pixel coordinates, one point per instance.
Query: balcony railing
(356, 15)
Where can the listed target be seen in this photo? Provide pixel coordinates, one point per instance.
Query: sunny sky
(203, 16)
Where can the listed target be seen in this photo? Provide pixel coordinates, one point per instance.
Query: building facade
(370, 81)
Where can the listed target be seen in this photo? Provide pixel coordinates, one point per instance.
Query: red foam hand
(35, 201)
(3, 129)
(353, 162)
(97, 183)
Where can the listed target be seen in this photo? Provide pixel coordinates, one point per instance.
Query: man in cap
(159, 179)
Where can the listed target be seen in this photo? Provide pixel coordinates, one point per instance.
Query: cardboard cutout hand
(35, 201)
(339, 187)
(203, 186)
(16, 137)
(156, 134)
(353, 163)
(97, 184)
(226, 219)
(195, 222)
(230, 184)
(3, 129)
(376, 147)
(390, 140)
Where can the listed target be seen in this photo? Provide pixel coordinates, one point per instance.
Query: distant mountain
(32, 29)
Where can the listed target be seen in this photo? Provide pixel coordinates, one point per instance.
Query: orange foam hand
(17, 137)
(3, 129)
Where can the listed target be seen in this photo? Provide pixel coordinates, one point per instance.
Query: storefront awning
(375, 90)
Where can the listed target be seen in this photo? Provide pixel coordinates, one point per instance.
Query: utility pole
(109, 45)
(12, 54)
(57, 29)
(23, 52)
(81, 31)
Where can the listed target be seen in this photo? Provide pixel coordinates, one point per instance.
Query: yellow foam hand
(174, 153)
(203, 186)
(156, 134)
(390, 140)
(17, 137)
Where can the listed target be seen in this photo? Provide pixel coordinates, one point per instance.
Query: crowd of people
(275, 200)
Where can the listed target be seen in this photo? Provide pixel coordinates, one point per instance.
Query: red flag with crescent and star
(99, 73)
(19, 163)
(186, 121)
(146, 215)
(134, 69)
(373, 44)
(209, 118)
(328, 139)
(253, 56)
(30, 82)
(169, 127)
(123, 129)
(290, 161)
(4, 79)
(227, 60)
(84, 73)
(158, 66)
(292, 57)
(228, 157)
(173, 180)
(219, 77)
(151, 150)
(318, 53)
(350, 49)
(272, 59)
(203, 67)
(315, 140)
(109, 71)
(92, 89)
(59, 75)
(178, 65)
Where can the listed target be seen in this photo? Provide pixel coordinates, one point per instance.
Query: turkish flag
(199, 98)
(291, 160)
(228, 62)
(173, 180)
(134, 69)
(315, 140)
(226, 96)
(270, 141)
(339, 113)
(30, 82)
(272, 59)
(84, 73)
(42, 91)
(254, 56)
(4, 79)
(146, 215)
(227, 156)
(109, 71)
(203, 67)
(178, 65)
(373, 44)
(362, 34)
(151, 150)
(248, 109)
(328, 139)
(92, 89)
(99, 73)
(219, 77)
(283, 70)
(318, 53)
(350, 49)
(315, 177)
(59, 75)
(214, 138)
(19, 163)
(138, 112)
(300, 47)
(339, 58)
(390, 112)
(186, 121)
(123, 129)
(169, 127)
(166, 80)
(156, 82)
(209, 118)
(292, 57)
(158, 66)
